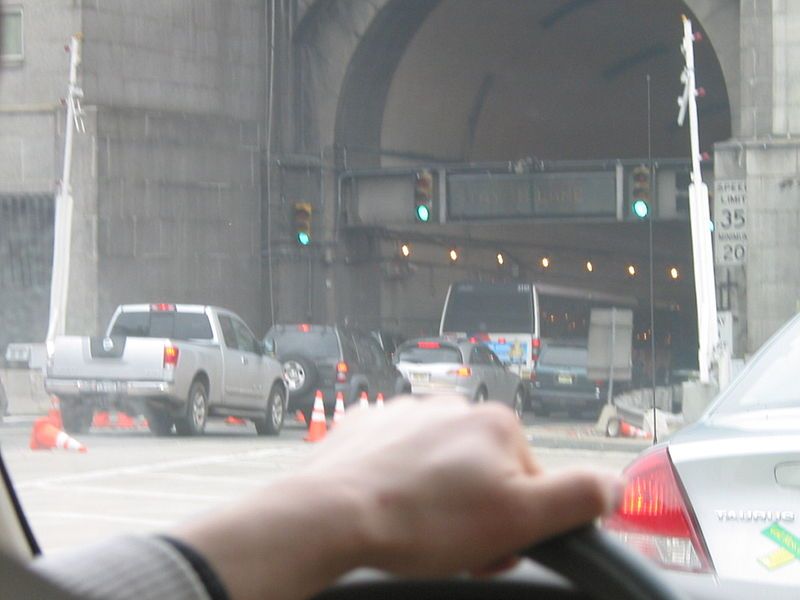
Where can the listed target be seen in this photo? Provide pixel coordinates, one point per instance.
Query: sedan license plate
(420, 377)
(564, 379)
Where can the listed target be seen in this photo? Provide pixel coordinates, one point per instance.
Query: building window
(11, 48)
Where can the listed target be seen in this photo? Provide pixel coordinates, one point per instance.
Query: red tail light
(501, 340)
(162, 307)
(461, 372)
(171, 356)
(655, 517)
(304, 327)
(341, 371)
(536, 343)
(429, 345)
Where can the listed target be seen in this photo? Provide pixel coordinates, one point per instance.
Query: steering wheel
(599, 567)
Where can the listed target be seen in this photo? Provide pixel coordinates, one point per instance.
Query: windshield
(179, 326)
(416, 354)
(490, 309)
(567, 356)
(770, 381)
(319, 343)
(328, 179)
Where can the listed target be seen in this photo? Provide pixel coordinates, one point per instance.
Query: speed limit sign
(730, 222)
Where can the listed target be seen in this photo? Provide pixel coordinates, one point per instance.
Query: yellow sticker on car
(788, 550)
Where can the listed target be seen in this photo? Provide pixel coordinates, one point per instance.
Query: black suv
(332, 358)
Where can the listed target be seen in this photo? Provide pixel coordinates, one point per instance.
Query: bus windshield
(489, 308)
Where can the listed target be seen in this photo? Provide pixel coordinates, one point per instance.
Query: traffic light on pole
(302, 222)
(641, 195)
(423, 195)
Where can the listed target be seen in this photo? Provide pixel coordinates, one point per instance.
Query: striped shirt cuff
(125, 568)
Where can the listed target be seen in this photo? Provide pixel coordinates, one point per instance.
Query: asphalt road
(132, 482)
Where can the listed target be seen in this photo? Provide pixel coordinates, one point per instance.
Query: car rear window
(442, 354)
(174, 325)
(313, 342)
(491, 309)
(566, 356)
(769, 381)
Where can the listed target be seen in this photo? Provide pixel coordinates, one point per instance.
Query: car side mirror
(269, 347)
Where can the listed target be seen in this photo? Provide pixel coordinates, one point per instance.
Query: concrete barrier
(696, 398)
(25, 391)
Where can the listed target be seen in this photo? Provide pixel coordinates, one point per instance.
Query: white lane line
(51, 514)
(90, 489)
(150, 467)
(211, 479)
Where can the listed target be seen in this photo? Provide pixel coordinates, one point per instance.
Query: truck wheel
(160, 422)
(272, 422)
(75, 415)
(194, 421)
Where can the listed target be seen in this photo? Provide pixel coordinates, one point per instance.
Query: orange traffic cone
(363, 400)
(300, 417)
(101, 420)
(54, 416)
(318, 427)
(124, 421)
(628, 430)
(46, 436)
(235, 421)
(379, 400)
(338, 411)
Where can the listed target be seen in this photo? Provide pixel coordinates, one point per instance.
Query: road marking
(90, 489)
(49, 514)
(253, 481)
(159, 466)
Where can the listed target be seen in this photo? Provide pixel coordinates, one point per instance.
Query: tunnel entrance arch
(468, 80)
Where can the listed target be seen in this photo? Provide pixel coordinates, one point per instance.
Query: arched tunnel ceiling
(554, 79)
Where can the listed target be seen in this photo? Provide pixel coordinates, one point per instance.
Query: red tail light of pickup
(171, 354)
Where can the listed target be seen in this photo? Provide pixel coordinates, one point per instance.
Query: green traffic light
(303, 238)
(640, 208)
(423, 213)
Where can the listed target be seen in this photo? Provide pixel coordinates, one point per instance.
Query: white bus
(513, 318)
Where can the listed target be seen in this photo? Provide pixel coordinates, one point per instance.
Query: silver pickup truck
(175, 364)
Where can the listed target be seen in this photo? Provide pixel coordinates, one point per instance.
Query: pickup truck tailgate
(116, 358)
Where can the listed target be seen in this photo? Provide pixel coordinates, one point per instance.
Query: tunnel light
(674, 273)
(501, 260)
(632, 270)
(405, 250)
(453, 255)
(589, 266)
(545, 262)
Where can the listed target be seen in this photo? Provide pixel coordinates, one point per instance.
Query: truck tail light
(162, 307)
(656, 519)
(342, 369)
(171, 356)
(536, 343)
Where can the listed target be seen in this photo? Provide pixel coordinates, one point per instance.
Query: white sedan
(434, 365)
